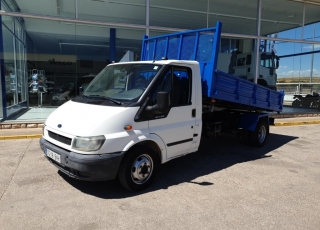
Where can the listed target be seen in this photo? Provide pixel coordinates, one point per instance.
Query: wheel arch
(249, 121)
(158, 148)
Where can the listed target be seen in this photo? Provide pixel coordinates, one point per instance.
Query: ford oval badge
(59, 126)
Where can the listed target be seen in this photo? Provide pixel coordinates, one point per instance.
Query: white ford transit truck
(135, 116)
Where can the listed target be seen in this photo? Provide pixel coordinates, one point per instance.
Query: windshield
(123, 82)
(268, 60)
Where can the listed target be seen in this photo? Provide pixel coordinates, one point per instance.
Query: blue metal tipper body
(203, 46)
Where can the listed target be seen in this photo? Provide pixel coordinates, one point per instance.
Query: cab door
(175, 127)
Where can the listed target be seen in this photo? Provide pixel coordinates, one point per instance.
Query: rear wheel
(138, 168)
(259, 136)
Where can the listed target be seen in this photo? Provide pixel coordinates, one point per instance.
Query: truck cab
(153, 116)
(242, 65)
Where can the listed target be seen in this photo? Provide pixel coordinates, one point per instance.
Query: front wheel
(259, 135)
(138, 168)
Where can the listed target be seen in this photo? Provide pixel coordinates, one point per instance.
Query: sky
(299, 65)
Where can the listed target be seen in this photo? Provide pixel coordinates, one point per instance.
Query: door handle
(193, 113)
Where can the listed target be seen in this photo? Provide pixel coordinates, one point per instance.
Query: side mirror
(277, 64)
(162, 102)
(80, 90)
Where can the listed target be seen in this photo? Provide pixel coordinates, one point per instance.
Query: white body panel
(81, 119)
(77, 119)
(178, 128)
(198, 105)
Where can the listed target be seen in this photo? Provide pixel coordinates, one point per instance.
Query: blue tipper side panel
(203, 46)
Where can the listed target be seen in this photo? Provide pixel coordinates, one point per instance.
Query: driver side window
(177, 81)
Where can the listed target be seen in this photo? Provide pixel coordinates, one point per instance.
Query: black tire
(259, 136)
(138, 168)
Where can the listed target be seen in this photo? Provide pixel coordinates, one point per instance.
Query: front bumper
(84, 167)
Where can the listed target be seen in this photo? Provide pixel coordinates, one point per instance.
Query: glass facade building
(49, 48)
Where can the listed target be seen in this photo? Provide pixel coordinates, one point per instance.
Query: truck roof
(160, 62)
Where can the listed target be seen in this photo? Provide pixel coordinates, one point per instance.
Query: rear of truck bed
(226, 90)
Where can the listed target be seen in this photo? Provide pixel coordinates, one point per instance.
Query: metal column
(257, 59)
(112, 44)
(208, 10)
(2, 75)
(303, 19)
(147, 17)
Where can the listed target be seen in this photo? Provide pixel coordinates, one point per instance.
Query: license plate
(53, 155)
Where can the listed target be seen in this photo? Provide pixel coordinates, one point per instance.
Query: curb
(294, 123)
(21, 125)
(14, 137)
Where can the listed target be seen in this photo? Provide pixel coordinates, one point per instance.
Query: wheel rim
(262, 134)
(141, 169)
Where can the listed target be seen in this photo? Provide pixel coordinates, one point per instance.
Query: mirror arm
(80, 90)
(152, 107)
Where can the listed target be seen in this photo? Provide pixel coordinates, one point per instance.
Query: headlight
(88, 144)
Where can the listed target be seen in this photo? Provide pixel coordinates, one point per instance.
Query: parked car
(82, 82)
(50, 86)
(85, 80)
(60, 95)
(63, 93)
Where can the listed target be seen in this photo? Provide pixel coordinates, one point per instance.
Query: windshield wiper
(84, 97)
(106, 98)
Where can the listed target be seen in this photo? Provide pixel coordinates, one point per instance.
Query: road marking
(293, 123)
(14, 137)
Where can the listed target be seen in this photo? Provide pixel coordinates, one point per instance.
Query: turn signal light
(128, 127)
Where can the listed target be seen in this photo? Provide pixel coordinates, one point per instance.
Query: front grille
(62, 139)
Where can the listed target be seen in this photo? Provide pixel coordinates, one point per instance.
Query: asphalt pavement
(225, 185)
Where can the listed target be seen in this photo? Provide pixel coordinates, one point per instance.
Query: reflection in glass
(312, 30)
(298, 72)
(132, 12)
(280, 19)
(9, 67)
(122, 82)
(7, 20)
